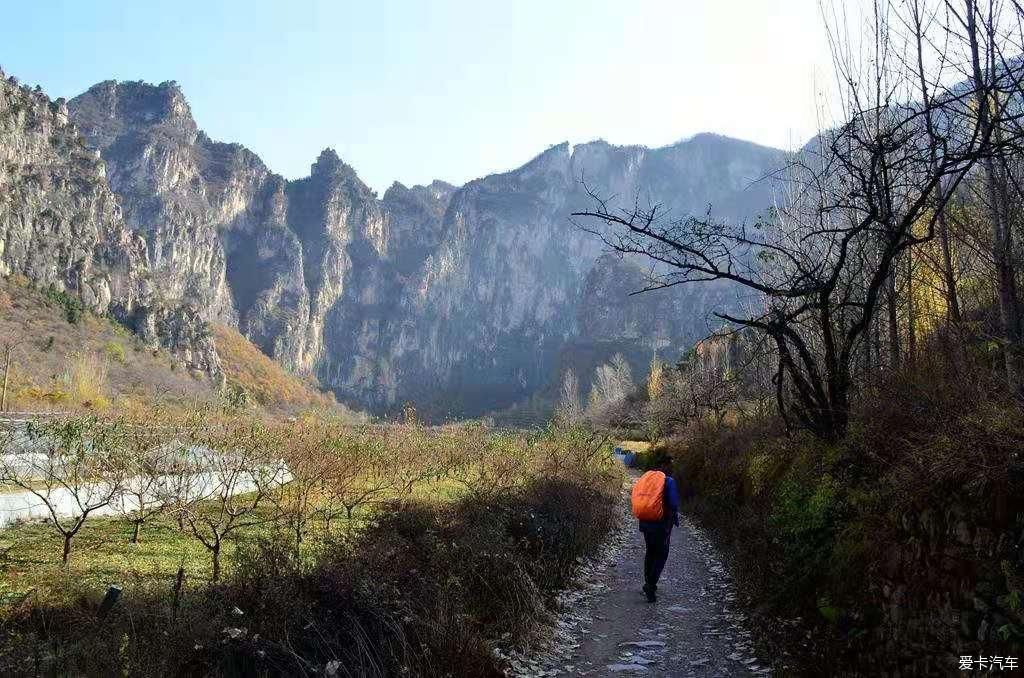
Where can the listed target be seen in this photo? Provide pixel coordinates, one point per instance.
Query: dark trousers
(657, 542)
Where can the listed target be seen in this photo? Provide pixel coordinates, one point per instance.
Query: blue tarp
(627, 457)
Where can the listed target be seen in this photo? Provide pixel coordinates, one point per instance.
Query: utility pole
(8, 348)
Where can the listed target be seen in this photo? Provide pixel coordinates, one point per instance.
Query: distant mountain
(514, 286)
(460, 299)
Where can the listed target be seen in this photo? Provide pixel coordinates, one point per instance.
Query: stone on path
(627, 668)
(643, 643)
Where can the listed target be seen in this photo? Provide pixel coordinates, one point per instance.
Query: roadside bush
(828, 533)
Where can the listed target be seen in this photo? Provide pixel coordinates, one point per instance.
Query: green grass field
(103, 554)
(30, 553)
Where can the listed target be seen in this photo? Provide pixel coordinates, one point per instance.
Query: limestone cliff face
(176, 186)
(251, 249)
(61, 226)
(462, 300)
(513, 285)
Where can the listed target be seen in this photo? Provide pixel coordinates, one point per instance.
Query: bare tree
(920, 19)
(8, 346)
(709, 389)
(487, 463)
(655, 378)
(995, 85)
(147, 478)
(237, 472)
(74, 467)
(570, 405)
(412, 457)
(358, 473)
(311, 457)
(612, 385)
(673, 409)
(858, 198)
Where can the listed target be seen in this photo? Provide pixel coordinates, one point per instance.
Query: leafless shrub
(570, 405)
(235, 470)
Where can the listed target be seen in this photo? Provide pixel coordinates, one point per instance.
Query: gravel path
(605, 627)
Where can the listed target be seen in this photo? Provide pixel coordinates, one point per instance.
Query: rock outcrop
(463, 300)
(61, 226)
(513, 287)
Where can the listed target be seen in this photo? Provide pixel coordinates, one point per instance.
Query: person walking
(655, 501)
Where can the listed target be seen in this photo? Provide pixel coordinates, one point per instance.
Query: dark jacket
(671, 518)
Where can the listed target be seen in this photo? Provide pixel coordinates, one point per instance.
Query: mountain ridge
(461, 299)
(173, 87)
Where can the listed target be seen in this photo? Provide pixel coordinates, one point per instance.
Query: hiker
(656, 504)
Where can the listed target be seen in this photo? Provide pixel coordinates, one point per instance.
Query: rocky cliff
(514, 289)
(61, 226)
(462, 300)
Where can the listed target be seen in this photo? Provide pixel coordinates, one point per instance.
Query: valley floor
(606, 627)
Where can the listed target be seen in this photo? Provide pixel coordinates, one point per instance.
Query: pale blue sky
(415, 91)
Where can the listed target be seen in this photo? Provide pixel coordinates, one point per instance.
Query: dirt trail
(607, 628)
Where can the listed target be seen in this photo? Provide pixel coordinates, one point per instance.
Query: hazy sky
(420, 90)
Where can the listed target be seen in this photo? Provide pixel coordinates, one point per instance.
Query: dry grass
(62, 365)
(85, 375)
(264, 380)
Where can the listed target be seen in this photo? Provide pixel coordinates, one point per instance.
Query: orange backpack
(648, 496)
